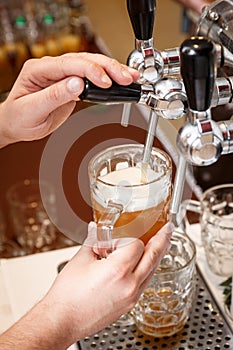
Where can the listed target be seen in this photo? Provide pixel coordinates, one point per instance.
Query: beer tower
(201, 141)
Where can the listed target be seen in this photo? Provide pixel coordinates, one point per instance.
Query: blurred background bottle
(13, 51)
(36, 28)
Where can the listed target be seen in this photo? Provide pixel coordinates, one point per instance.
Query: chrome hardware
(200, 143)
(180, 81)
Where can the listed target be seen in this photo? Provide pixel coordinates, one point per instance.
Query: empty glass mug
(32, 227)
(129, 198)
(216, 220)
(165, 305)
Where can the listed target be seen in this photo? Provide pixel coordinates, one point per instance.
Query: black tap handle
(198, 70)
(142, 14)
(114, 94)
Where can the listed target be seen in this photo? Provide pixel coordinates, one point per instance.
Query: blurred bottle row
(35, 28)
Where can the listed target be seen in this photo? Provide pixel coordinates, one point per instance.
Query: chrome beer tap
(201, 141)
(145, 58)
(152, 64)
(198, 70)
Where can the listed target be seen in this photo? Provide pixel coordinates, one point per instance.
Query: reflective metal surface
(206, 329)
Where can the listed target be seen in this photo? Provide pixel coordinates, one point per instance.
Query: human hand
(46, 91)
(90, 294)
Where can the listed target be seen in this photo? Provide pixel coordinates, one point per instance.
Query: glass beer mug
(165, 305)
(129, 200)
(215, 208)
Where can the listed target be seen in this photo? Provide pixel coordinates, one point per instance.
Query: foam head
(125, 187)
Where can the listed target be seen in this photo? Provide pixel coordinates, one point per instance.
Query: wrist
(5, 138)
(46, 326)
(58, 329)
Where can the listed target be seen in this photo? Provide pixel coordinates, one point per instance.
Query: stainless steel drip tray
(206, 329)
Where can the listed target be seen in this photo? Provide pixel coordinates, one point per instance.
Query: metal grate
(206, 329)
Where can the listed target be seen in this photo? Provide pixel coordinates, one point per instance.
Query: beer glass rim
(140, 146)
(191, 259)
(213, 189)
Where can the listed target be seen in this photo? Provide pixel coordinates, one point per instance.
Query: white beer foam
(131, 175)
(125, 187)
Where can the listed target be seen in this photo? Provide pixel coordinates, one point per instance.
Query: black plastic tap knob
(114, 94)
(198, 70)
(142, 15)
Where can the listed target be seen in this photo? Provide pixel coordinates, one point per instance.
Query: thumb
(87, 252)
(91, 239)
(64, 91)
(57, 94)
(75, 86)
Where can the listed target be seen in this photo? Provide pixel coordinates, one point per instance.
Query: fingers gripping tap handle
(198, 70)
(114, 94)
(142, 14)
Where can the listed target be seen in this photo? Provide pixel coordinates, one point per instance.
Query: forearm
(44, 327)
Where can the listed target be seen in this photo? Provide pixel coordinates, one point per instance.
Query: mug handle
(105, 227)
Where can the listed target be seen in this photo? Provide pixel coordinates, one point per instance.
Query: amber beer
(142, 224)
(115, 177)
